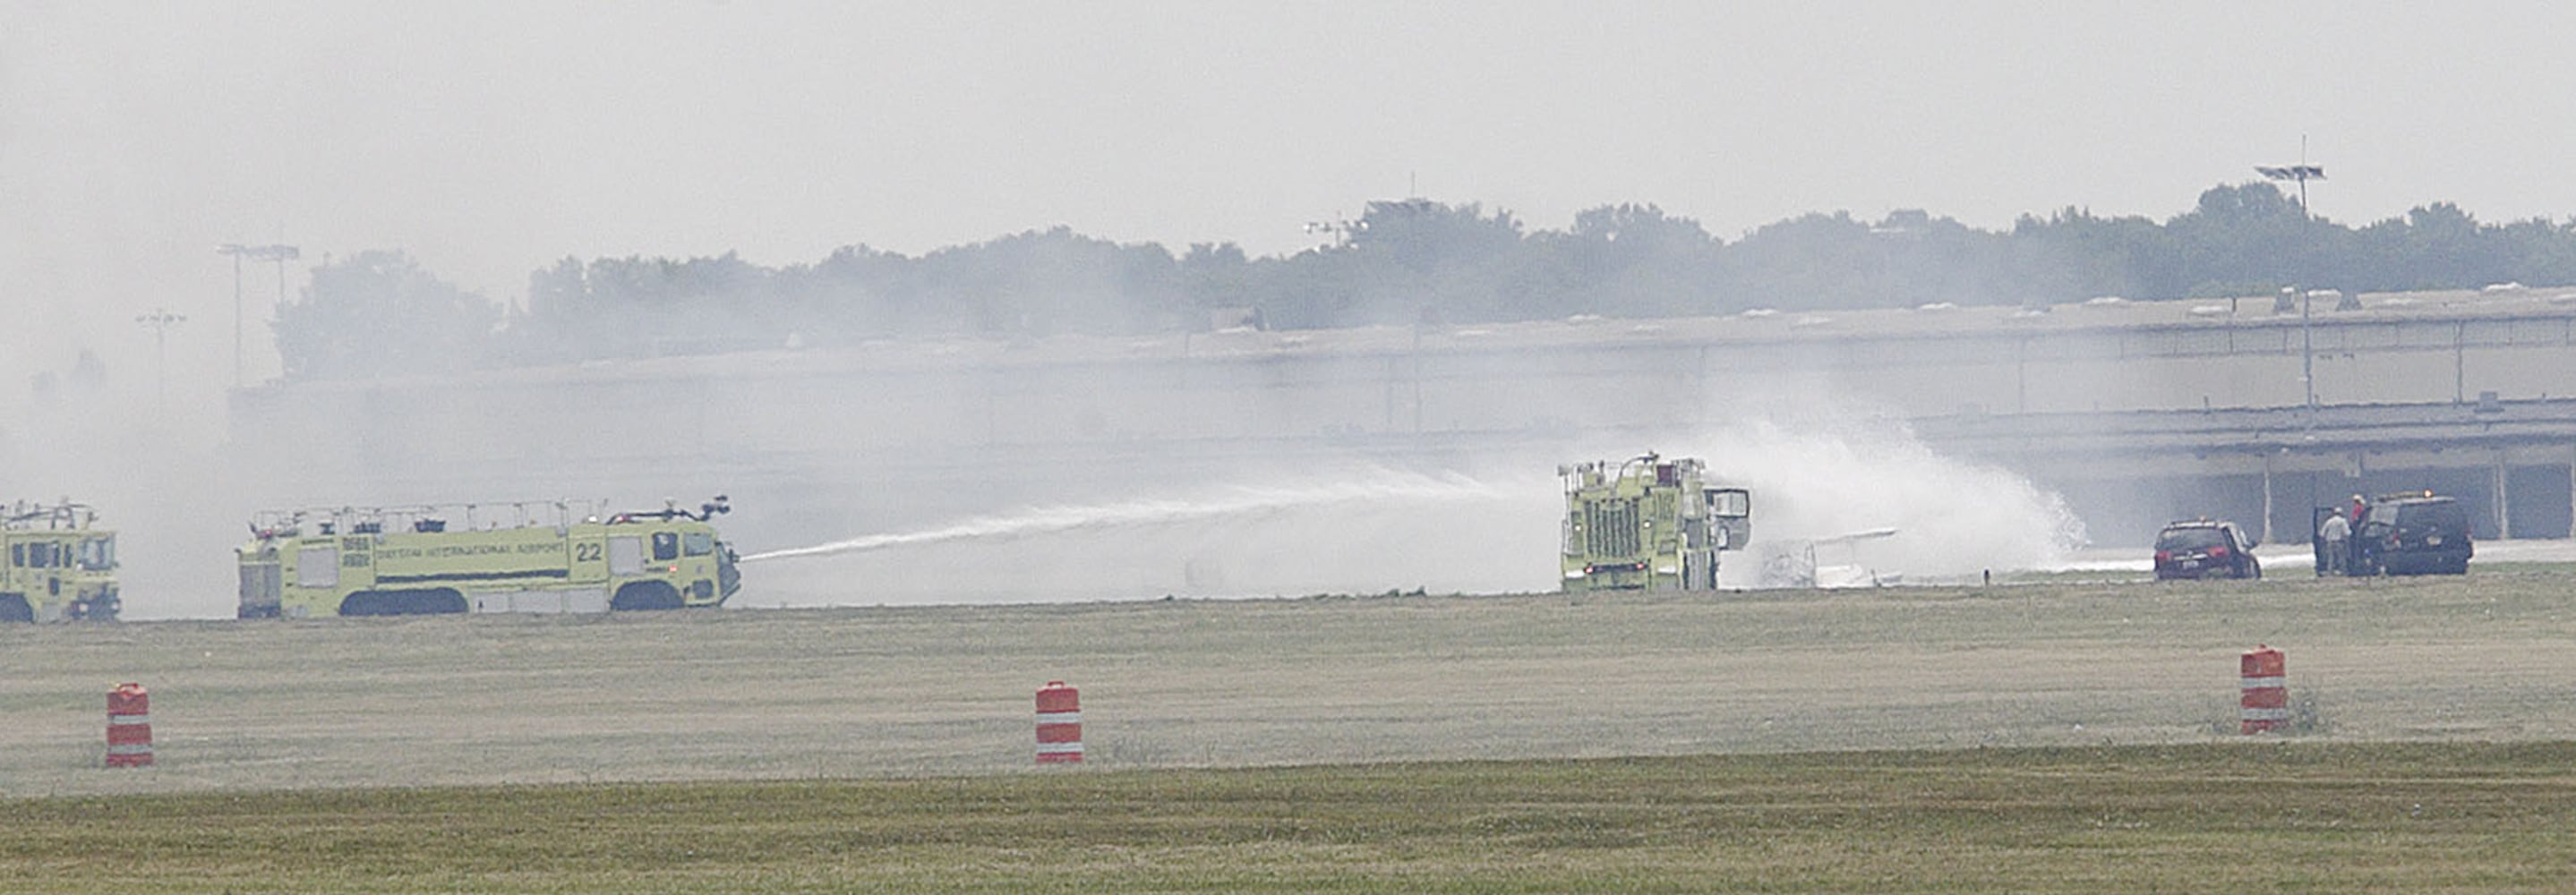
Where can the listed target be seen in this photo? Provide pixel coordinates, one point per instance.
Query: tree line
(1408, 262)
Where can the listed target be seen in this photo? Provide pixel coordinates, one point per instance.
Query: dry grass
(947, 691)
(2227, 817)
(1326, 744)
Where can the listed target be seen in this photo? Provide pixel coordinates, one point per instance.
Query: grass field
(2042, 736)
(2209, 818)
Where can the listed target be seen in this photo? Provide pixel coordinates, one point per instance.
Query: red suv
(2205, 549)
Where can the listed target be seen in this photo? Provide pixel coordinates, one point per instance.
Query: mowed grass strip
(2258, 816)
(948, 691)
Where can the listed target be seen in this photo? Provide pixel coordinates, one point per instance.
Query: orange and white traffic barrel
(2263, 699)
(1059, 724)
(129, 727)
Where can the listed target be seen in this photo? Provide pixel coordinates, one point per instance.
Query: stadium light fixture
(159, 322)
(2301, 172)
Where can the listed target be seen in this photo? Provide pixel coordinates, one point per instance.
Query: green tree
(1621, 260)
(2249, 239)
(378, 313)
(1417, 260)
(635, 306)
(1410, 262)
(1811, 262)
(1041, 282)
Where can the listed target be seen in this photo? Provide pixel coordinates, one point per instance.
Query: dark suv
(2414, 535)
(2205, 549)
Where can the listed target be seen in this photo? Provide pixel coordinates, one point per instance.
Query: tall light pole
(159, 322)
(2301, 172)
(278, 253)
(2307, 354)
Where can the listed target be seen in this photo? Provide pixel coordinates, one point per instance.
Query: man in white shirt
(2337, 533)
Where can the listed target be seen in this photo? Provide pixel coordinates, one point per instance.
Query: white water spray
(1815, 474)
(1236, 503)
(1823, 477)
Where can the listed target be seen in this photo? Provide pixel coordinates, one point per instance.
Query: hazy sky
(489, 139)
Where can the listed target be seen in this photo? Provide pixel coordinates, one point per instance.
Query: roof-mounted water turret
(63, 515)
(425, 518)
(671, 510)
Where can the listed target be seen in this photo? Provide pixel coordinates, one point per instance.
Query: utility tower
(278, 253)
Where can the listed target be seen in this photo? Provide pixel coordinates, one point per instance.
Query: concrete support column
(2267, 501)
(2503, 503)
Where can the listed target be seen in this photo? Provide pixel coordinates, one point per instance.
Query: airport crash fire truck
(1648, 524)
(512, 557)
(60, 566)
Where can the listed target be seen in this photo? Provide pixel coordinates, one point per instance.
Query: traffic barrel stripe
(1059, 724)
(2263, 690)
(129, 727)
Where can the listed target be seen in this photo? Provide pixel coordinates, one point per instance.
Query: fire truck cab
(58, 565)
(1648, 524)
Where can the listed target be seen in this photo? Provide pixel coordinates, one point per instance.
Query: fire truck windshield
(97, 554)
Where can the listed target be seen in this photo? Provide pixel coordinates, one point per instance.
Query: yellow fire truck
(1648, 524)
(512, 557)
(61, 566)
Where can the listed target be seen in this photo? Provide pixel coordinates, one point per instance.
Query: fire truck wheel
(441, 601)
(14, 608)
(438, 601)
(645, 595)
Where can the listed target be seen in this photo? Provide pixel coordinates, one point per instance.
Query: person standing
(2337, 533)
